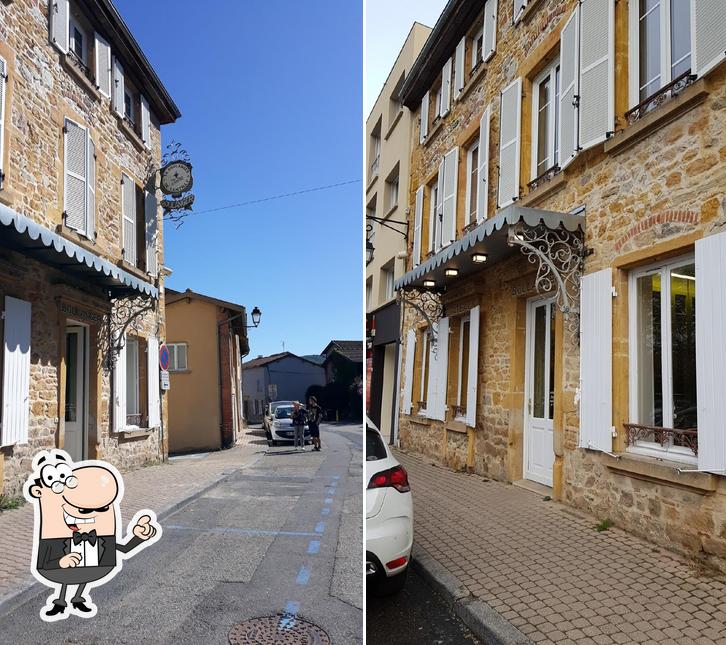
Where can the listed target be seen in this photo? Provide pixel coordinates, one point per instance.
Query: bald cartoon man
(77, 520)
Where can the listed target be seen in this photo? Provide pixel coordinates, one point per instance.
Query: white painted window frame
(470, 216)
(74, 24)
(477, 55)
(433, 213)
(461, 367)
(653, 449)
(137, 394)
(174, 355)
(553, 135)
(425, 344)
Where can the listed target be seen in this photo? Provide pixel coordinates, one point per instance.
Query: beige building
(566, 199)
(81, 239)
(388, 133)
(206, 338)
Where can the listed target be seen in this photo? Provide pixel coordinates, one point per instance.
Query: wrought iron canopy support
(125, 313)
(387, 223)
(427, 302)
(559, 255)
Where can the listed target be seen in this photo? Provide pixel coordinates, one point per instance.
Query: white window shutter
(59, 14)
(433, 368)
(91, 187)
(3, 75)
(439, 205)
(152, 355)
(408, 376)
(519, 6)
(459, 67)
(442, 369)
(16, 372)
(151, 216)
(417, 220)
(711, 351)
(75, 195)
(708, 36)
(119, 105)
(451, 172)
(145, 122)
(490, 30)
(482, 191)
(445, 88)
(473, 367)
(596, 360)
(119, 389)
(103, 65)
(597, 72)
(128, 207)
(509, 127)
(570, 88)
(424, 127)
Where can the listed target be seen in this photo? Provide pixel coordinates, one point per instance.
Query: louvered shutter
(3, 76)
(128, 206)
(473, 367)
(152, 355)
(597, 72)
(145, 122)
(569, 66)
(509, 126)
(439, 205)
(451, 171)
(482, 191)
(459, 67)
(708, 36)
(408, 376)
(417, 220)
(16, 372)
(596, 360)
(424, 127)
(442, 369)
(119, 389)
(433, 367)
(151, 216)
(119, 104)
(76, 168)
(445, 88)
(519, 6)
(59, 14)
(711, 350)
(91, 187)
(490, 30)
(103, 65)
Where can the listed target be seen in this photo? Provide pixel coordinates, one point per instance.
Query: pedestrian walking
(315, 415)
(298, 425)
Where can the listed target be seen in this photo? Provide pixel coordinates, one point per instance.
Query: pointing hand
(144, 529)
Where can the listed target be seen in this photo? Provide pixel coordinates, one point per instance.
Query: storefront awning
(490, 238)
(30, 238)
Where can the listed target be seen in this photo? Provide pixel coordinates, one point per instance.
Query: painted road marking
(328, 500)
(248, 532)
(336, 476)
(314, 546)
(325, 511)
(303, 575)
(289, 614)
(320, 527)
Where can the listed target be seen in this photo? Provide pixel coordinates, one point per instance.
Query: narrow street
(279, 539)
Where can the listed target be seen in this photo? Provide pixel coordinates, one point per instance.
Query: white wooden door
(75, 412)
(539, 455)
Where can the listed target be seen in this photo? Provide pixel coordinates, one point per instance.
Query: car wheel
(394, 584)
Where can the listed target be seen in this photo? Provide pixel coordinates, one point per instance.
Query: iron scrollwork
(675, 87)
(427, 302)
(125, 314)
(686, 437)
(183, 207)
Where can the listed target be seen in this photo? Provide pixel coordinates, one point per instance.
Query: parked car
(281, 426)
(269, 413)
(389, 516)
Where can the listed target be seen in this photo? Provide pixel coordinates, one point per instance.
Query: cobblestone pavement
(156, 487)
(547, 571)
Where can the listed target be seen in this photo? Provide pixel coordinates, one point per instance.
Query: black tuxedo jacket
(52, 550)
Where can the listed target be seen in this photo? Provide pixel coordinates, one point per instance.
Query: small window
(392, 189)
(434, 221)
(369, 292)
(177, 357)
(463, 367)
(545, 120)
(477, 48)
(395, 105)
(135, 376)
(387, 278)
(375, 150)
(129, 107)
(425, 345)
(472, 181)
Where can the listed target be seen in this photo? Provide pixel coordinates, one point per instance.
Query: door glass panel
(538, 363)
(650, 378)
(649, 47)
(680, 37)
(72, 377)
(551, 393)
(683, 346)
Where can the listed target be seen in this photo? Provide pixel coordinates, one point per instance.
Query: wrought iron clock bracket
(427, 302)
(124, 314)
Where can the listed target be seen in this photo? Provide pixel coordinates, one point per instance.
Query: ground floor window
(463, 367)
(136, 378)
(425, 345)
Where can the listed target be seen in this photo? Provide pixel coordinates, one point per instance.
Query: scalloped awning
(490, 237)
(40, 243)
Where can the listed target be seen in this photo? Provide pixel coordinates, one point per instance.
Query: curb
(486, 623)
(21, 596)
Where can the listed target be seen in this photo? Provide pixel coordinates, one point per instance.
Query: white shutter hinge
(614, 291)
(613, 431)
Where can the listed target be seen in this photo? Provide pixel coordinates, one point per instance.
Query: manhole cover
(281, 629)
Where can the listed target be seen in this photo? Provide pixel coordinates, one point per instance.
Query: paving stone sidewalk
(546, 570)
(159, 488)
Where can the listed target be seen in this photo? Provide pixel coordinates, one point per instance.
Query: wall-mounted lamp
(479, 257)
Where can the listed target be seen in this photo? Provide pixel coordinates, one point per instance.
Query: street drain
(280, 629)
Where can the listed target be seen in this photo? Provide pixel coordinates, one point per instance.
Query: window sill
(180, 371)
(130, 134)
(658, 471)
(135, 433)
(472, 81)
(394, 123)
(418, 419)
(659, 117)
(544, 190)
(528, 11)
(77, 238)
(371, 182)
(456, 425)
(390, 211)
(81, 78)
(435, 129)
(132, 268)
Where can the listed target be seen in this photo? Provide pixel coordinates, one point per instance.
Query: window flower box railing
(84, 69)
(546, 176)
(683, 437)
(675, 87)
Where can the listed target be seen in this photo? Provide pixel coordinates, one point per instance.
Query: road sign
(164, 358)
(165, 385)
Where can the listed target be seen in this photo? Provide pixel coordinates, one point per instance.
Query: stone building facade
(81, 238)
(566, 194)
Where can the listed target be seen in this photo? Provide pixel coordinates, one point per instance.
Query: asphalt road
(413, 616)
(282, 536)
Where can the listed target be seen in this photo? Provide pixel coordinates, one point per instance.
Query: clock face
(176, 178)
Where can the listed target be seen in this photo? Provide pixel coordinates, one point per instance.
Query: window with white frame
(477, 48)
(663, 354)
(133, 379)
(177, 357)
(375, 150)
(78, 41)
(434, 222)
(463, 367)
(472, 181)
(661, 41)
(425, 345)
(387, 274)
(392, 189)
(545, 119)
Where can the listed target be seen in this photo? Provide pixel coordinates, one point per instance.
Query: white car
(281, 426)
(389, 516)
(269, 413)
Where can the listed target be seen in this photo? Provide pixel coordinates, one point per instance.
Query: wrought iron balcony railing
(546, 176)
(675, 87)
(79, 64)
(685, 437)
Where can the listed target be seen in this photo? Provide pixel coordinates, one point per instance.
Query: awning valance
(490, 238)
(23, 234)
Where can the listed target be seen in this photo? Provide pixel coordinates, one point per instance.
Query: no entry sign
(164, 358)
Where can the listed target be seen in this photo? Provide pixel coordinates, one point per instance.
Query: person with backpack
(298, 425)
(315, 416)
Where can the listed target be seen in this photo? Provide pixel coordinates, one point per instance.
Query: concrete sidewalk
(544, 569)
(161, 488)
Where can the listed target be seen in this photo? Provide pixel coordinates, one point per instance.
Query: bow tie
(89, 537)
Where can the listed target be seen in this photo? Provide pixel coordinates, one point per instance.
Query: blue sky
(270, 95)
